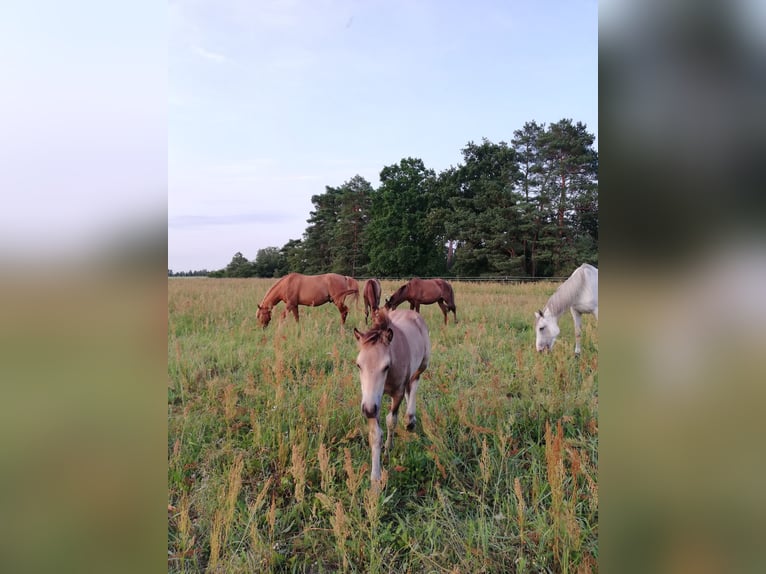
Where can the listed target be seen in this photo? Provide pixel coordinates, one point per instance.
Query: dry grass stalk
(271, 517)
(484, 463)
(555, 468)
(229, 402)
(224, 517)
(353, 479)
(327, 471)
(258, 546)
(323, 411)
(257, 434)
(519, 507)
(186, 539)
(372, 506)
(298, 470)
(592, 486)
(341, 531)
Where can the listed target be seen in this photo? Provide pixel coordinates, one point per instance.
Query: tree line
(526, 208)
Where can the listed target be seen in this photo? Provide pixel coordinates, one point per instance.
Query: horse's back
(412, 325)
(588, 296)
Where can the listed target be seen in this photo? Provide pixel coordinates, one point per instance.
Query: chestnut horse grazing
(311, 290)
(579, 294)
(425, 291)
(371, 298)
(392, 356)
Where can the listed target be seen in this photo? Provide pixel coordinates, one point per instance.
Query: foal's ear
(539, 314)
(357, 334)
(388, 334)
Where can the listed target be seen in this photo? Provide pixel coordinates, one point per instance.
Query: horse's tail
(353, 290)
(451, 292)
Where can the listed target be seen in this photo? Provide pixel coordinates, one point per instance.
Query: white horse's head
(546, 330)
(374, 362)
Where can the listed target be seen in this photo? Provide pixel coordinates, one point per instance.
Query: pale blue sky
(269, 102)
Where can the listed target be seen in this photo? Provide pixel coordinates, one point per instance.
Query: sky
(269, 102)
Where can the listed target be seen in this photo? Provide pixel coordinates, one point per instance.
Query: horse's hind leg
(444, 308)
(343, 312)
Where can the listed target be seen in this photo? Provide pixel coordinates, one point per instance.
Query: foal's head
(546, 331)
(374, 362)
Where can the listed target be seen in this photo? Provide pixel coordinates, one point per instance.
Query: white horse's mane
(567, 293)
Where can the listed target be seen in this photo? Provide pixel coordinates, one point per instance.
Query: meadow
(268, 459)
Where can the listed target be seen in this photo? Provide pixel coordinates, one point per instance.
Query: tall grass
(268, 461)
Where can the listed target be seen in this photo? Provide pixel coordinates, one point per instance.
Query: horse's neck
(564, 297)
(398, 297)
(553, 310)
(272, 296)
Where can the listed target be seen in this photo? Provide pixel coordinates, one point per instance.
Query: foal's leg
(410, 394)
(391, 420)
(578, 329)
(376, 438)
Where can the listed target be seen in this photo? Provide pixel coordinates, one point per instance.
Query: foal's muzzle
(370, 413)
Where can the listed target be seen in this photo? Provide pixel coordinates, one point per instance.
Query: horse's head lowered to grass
(579, 294)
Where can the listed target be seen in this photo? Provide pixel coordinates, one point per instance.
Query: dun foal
(392, 356)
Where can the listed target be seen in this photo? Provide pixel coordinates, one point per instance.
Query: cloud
(181, 221)
(211, 56)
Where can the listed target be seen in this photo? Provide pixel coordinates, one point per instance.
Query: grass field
(268, 460)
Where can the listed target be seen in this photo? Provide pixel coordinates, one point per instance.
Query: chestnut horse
(371, 298)
(426, 292)
(392, 356)
(311, 290)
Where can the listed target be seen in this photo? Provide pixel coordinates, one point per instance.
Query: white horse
(578, 293)
(392, 356)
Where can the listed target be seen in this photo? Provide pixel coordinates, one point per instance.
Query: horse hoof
(411, 424)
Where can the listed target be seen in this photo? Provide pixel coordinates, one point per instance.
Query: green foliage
(270, 262)
(334, 240)
(481, 215)
(268, 461)
(400, 239)
(239, 267)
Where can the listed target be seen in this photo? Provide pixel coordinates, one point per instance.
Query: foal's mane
(380, 325)
(566, 294)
